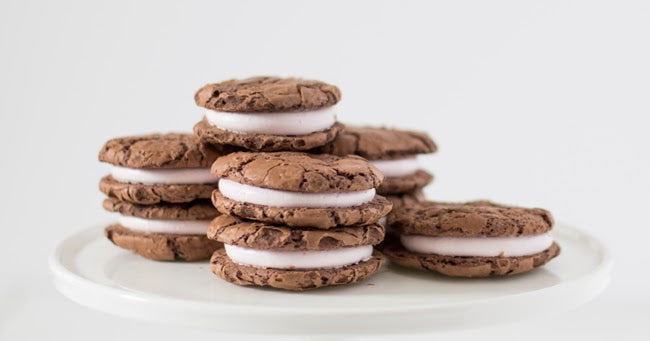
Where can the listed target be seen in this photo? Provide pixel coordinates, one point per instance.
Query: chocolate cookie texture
(469, 266)
(159, 151)
(162, 246)
(404, 184)
(267, 94)
(473, 219)
(322, 218)
(298, 172)
(263, 236)
(196, 210)
(295, 280)
(380, 143)
(213, 135)
(156, 193)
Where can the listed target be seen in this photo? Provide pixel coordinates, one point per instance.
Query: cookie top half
(380, 143)
(264, 236)
(472, 219)
(267, 94)
(299, 172)
(171, 150)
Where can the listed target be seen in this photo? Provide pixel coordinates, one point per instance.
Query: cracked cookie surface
(469, 266)
(299, 172)
(295, 280)
(160, 151)
(146, 194)
(322, 218)
(264, 236)
(403, 184)
(162, 246)
(472, 219)
(195, 210)
(380, 143)
(267, 94)
(212, 135)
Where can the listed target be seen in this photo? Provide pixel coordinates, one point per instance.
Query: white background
(540, 103)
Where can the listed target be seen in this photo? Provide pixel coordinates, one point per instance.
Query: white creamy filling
(166, 176)
(478, 246)
(397, 168)
(309, 259)
(273, 197)
(165, 226)
(280, 123)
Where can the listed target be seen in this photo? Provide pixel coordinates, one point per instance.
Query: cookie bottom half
(162, 246)
(143, 194)
(468, 266)
(322, 218)
(210, 134)
(294, 280)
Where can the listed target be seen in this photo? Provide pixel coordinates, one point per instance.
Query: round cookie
(472, 219)
(196, 210)
(469, 266)
(292, 172)
(492, 230)
(267, 94)
(162, 246)
(383, 144)
(380, 143)
(262, 236)
(272, 97)
(295, 280)
(170, 152)
(298, 172)
(405, 184)
(210, 134)
(153, 194)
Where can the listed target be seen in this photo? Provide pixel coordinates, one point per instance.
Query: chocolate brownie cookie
(195, 210)
(392, 151)
(299, 189)
(163, 231)
(294, 280)
(475, 239)
(290, 258)
(162, 246)
(263, 236)
(267, 95)
(157, 168)
(268, 114)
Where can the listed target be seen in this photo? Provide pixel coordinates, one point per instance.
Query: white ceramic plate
(90, 270)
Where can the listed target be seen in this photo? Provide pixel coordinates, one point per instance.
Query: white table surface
(532, 103)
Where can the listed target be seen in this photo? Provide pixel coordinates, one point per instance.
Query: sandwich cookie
(299, 189)
(268, 113)
(476, 239)
(261, 254)
(157, 168)
(163, 231)
(394, 152)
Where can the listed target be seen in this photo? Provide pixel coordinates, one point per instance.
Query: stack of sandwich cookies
(268, 114)
(283, 257)
(394, 152)
(161, 185)
(476, 239)
(296, 221)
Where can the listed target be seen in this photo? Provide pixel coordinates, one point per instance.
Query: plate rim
(65, 278)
